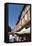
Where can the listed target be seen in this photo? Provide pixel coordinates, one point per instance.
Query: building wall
(25, 18)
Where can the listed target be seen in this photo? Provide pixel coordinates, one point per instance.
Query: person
(11, 38)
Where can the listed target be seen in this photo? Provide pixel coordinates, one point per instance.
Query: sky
(14, 12)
